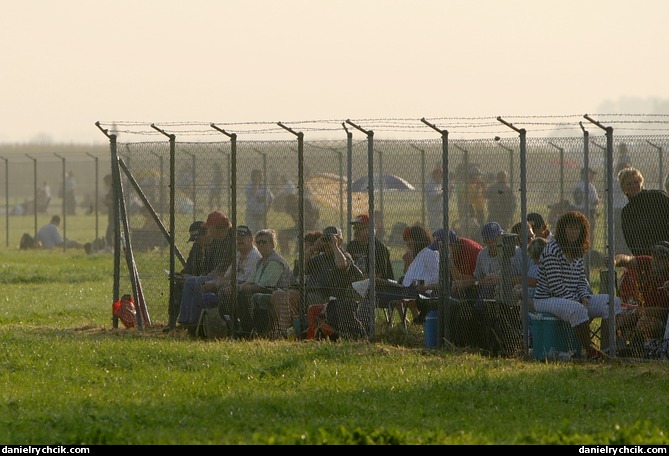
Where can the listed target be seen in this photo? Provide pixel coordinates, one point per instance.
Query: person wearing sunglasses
(271, 272)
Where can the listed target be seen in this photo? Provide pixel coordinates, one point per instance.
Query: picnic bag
(211, 325)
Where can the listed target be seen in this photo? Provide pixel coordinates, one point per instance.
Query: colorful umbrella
(330, 190)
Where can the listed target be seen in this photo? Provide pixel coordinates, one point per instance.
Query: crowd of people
(252, 282)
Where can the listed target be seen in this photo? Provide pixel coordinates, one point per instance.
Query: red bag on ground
(125, 311)
(318, 328)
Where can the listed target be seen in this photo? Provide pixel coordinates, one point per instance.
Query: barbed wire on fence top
(396, 128)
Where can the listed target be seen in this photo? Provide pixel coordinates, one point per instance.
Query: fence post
(445, 311)
(371, 254)
(523, 231)
(610, 235)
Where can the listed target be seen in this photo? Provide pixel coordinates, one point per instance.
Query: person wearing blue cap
(486, 275)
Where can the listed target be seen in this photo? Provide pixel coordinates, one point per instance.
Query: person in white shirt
(422, 271)
(247, 258)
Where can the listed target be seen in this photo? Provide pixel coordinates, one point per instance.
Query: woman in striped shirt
(562, 287)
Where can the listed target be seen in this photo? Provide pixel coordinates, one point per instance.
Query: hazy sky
(67, 64)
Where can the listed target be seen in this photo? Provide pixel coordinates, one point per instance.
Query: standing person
(109, 205)
(259, 200)
(619, 201)
(216, 186)
(291, 207)
(49, 236)
(562, 287)
(435, 199)
(359, 250)
(501, 201)
(476, 193)
(69, 193)
(585, 190)
(645, 217)
(43, 198)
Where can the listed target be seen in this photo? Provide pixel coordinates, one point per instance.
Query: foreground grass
(70, 378)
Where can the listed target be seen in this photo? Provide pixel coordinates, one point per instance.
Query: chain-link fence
(167, 185)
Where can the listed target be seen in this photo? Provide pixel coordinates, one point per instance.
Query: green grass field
(70, 378)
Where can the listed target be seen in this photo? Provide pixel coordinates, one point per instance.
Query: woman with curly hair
(562, 287)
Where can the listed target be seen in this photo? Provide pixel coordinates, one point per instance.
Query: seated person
(286, 302)
(359, 250)
(534, 251)
(271, 272)
(219, 255)
(539, 226)
(462, 259)
(516, 229)
(331, 272)
(245, 263)
(422, 272)
(642, 290)
(194, 265)
(49, 236)
(563, 288)
(486, 276)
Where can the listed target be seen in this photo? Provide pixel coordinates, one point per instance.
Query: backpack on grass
(27, 242)
(212, 326)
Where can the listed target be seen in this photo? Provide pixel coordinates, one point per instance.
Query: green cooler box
(552, 336)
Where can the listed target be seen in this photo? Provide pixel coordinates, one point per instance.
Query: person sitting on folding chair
(423, 269)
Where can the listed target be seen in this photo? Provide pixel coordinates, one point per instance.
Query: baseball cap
(363, 219)
(536, 220)
(194, 230)
(243, 230)
(331, 230)
(217, 218)
(491, 230)
(439, 236)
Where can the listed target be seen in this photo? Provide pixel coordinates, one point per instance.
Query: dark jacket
(360, 254)
(327, 280)
(645, 221)
(219, 255)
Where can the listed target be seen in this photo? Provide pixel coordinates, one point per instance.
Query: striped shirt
(559, 277)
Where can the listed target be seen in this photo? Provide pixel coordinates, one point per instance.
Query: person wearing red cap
(359, 250)
(219, 255)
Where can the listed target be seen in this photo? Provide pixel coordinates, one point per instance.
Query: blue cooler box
(550, 334)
